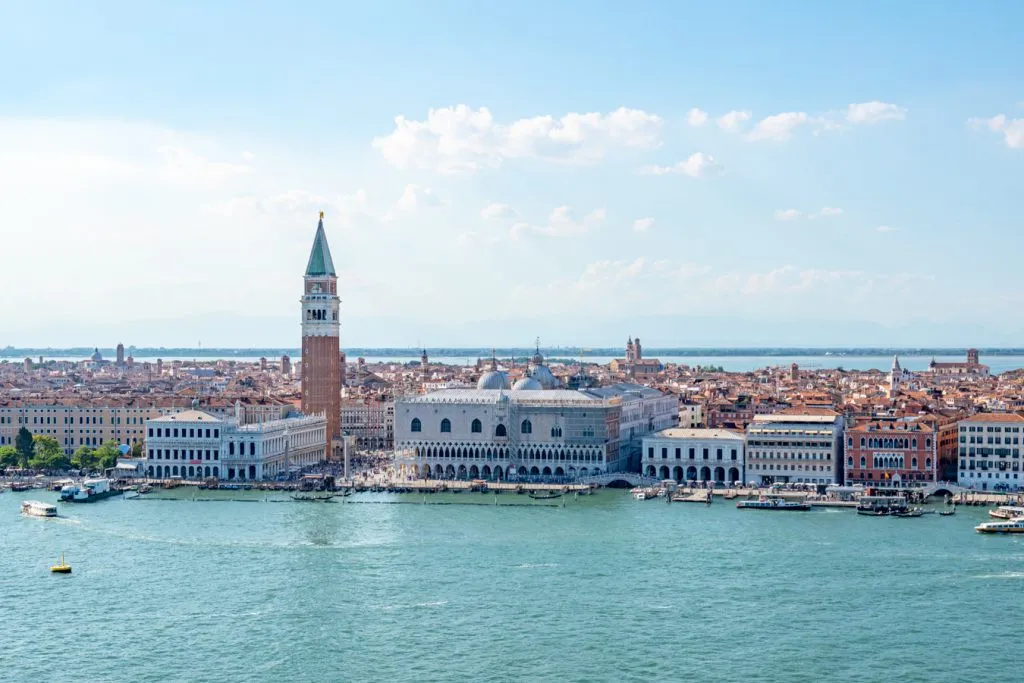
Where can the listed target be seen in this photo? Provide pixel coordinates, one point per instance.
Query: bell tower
(321, 337)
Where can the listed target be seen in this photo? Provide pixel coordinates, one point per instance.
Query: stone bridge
(942, 488)
(631, 478)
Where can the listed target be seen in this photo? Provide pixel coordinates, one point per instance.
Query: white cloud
(186, 166)
(733, 121)
(561, 223)
(495, 211)
(643, 224)
(296, 203)
(778, 127)
(875, 111)
(696, 117)
(461, 139)
(696, 165)
(793, 214)
(415, 197)
(885, 228)
(1012, 129)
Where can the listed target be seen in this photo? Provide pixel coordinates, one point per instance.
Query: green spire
(320, 262)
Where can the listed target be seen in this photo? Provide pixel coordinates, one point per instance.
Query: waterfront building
(791, 447)
(972, 367)
(501, 434)
(643, 411)
(194, 444)
(990, 451)
(321, 338)
(83, 423)
(715, 455)
(634, 364)
(893, 452)
(370, 422)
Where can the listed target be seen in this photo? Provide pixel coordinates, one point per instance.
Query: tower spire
(320, 262)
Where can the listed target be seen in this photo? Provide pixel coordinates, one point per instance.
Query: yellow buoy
(62, 568)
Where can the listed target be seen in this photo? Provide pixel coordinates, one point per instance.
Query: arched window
(863, 461)
(476, 427)
(446, 425)
(500, 431)
(231, 448)
(913, 463)
(416, 425)
(556, 432)
(252, 448)
(526, 427)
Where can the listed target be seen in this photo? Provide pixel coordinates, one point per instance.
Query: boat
(639, 495)
(947, 513)
(914, 512)
(313, 497)
(90, 491)
(545, 496)
(62, 568)
(881, 506)
(779, 504)
(1011, 526)
(17, 487)
(35, 508)
(1006, 512)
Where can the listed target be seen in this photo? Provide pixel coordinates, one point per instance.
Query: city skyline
(765, 177)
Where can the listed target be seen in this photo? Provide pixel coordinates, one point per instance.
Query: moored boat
(881, 506)
(90, 491)
(780, 504)
(35, 508)
(1012, 526)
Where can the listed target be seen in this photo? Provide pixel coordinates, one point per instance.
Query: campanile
(321, 337)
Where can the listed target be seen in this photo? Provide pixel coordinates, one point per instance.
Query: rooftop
(678, 433)
(995, 417)
(187, 416)
(523, 396)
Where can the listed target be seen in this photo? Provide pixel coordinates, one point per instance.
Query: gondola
(947, 513)
(323, 498)
(546, 496)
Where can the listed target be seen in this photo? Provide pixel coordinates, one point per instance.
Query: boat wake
(1002, 575)
(527, 565)
(415, 605)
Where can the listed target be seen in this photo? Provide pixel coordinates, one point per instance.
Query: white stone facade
(991, 446)
(197, 445)
(795, 449)
(715, 455)
(497, 434)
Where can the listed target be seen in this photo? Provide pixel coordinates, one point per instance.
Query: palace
(502, 434)
(695, 455)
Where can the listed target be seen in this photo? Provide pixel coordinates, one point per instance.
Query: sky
(734, 173)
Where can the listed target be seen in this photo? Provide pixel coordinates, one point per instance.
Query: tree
(137, 449)
(48, 454)
(107, 455)
(9, 456)
(84, 458)
(25, 446)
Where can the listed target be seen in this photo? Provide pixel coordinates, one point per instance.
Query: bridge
(942, 488)
(630, 478)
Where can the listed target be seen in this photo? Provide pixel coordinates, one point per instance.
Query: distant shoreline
(12, 353)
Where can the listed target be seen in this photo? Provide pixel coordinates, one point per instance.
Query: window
(664, 452)
(679, 453)
(500, 430)
(446, 425)
(416, 425)
(650, 452)
(477, 426)
(526, 427)
(732, 454)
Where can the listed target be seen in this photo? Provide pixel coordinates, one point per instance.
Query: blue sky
(581, 173)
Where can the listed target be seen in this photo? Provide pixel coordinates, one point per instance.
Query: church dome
(493, 379)
(527, 384)
(542, 375)
(96, 356)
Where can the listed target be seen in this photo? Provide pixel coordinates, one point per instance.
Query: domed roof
(96, 356)
(493, 379)
(543, 376)
(527, 384)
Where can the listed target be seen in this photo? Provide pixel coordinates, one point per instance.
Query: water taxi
(35, 508)
(764, 503)
(1012, 526)
(62, 568)
(1006, 512)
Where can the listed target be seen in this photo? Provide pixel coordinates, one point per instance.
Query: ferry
(35, 508)
(1012, 526)
(881, 506)
(764, 503)
(90, 491)
(1006, 512)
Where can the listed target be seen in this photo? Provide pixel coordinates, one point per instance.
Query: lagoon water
(603, 589)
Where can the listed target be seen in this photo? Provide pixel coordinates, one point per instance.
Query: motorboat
(1011, 526)
(639, 495)
(35, 508)
(881, 506)
(780, 504)
(90, 491)
(1006, 512)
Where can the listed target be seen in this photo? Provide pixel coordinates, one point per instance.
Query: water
(997, 364)
(604, 589)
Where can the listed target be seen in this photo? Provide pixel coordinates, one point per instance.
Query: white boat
(90, 491)
(1006, 512)
(35, 508)
(639, 495)
(1012, 526)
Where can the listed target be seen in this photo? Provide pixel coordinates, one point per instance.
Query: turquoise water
(604, 589)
